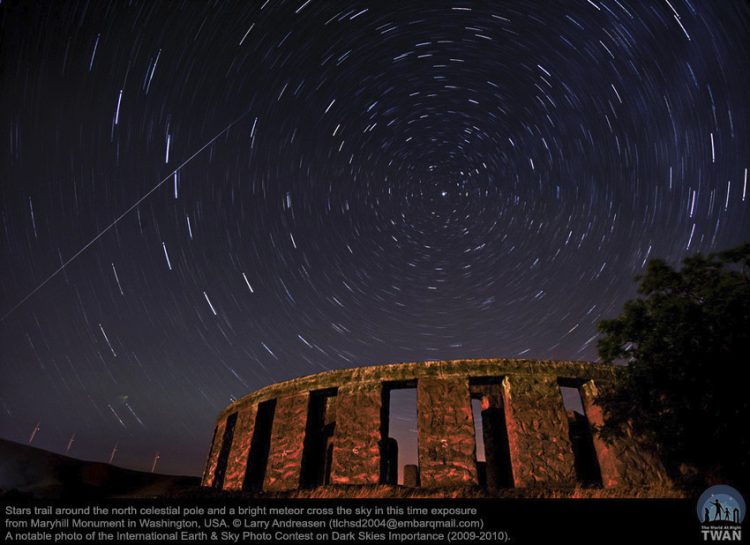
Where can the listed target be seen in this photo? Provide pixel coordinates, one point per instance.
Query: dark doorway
(493, 452)
(399, 445)
(321, 422)
(226, 445)
(257, 458)
(581, 437)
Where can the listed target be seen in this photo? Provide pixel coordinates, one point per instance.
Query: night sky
(199, 199)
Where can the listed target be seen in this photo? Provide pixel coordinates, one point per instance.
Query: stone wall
(528, 441)
(446, 440)
(357, 439)
(623, 461)
(287, 440)
(540, 451)
(234, 477)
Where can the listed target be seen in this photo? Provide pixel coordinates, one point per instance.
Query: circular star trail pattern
(390, 182)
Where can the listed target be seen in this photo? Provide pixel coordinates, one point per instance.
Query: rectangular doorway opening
(494, 468)
(260, 445)
(226, 445)
(399, 448)
(318, 446)
(588, 473)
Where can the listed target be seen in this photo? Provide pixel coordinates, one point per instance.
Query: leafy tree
(686, 342)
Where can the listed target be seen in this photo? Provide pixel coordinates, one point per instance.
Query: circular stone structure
(331, 428)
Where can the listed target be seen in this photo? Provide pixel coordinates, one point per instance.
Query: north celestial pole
(201, 199)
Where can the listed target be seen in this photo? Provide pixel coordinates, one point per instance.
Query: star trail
(201, 198)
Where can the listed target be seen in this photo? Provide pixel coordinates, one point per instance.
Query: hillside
(35, 473)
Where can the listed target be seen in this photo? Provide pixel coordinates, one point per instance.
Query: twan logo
(721, 510)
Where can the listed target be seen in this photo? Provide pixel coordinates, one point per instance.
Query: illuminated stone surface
(523, 415)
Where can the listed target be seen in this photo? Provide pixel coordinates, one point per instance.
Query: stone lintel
(412, 371)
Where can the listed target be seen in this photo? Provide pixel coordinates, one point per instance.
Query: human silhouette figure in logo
(726, 513)
(717, 504)
(706, 517)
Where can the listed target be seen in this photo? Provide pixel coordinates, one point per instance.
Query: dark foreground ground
(28, 472)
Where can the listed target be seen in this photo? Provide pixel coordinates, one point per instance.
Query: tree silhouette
(686, 343)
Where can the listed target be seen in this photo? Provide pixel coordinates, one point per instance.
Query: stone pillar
(243, 435)
(497, 466)
(389, 466)
(622, 461)
(447, 447)
(287, 443)
(358, 434)
(537, 425)
(213, 456)
(411, 476)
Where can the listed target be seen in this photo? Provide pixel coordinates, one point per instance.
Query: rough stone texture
(521, 397)
(357, 437)
(447, 453)
(330, 413)
(213, 456)
(623, 461)
(287, 443)
(540, 450)
(410, 371)
(243, 435)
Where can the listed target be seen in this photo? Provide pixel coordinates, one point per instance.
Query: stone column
(622, 460)
(243, 435)
(411, 476)
(447, 447)
(213, 456)
(287, 443)
(358, 434)
(537, 425)
(498, 471)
